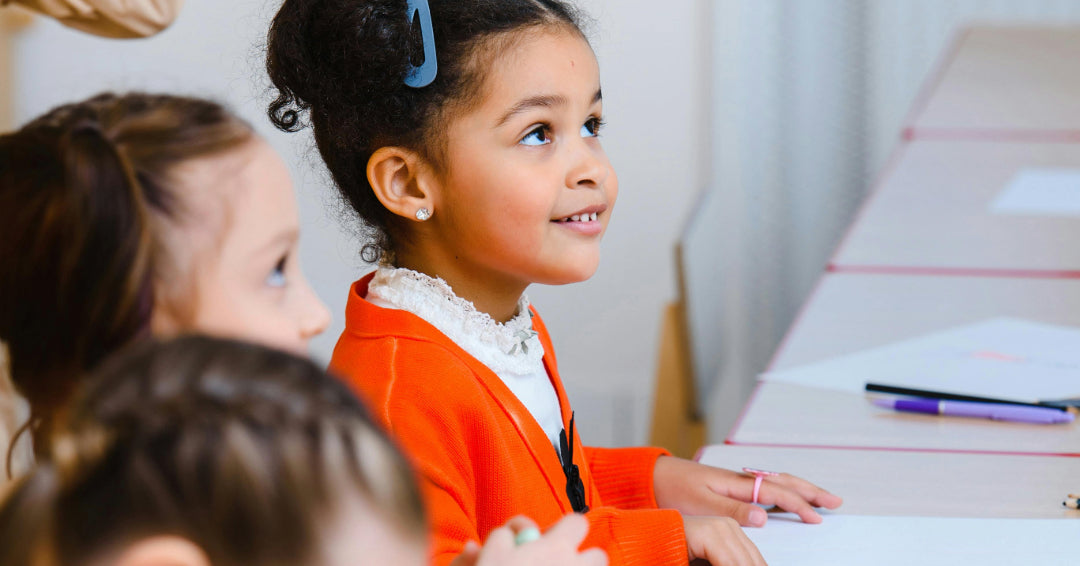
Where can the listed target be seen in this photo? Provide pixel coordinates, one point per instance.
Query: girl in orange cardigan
(464, 135)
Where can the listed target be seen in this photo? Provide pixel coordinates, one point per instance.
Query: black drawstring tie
(575, 490)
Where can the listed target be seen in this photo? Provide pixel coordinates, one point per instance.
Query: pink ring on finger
(759, 476)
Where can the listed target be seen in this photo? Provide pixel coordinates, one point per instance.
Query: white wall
(605, 330)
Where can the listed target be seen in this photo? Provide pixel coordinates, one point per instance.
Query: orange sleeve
(624, 476)
(638, 537)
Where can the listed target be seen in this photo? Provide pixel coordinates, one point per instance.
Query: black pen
(881, 388)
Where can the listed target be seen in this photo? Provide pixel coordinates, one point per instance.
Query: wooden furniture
(12, 20)
(675, 424)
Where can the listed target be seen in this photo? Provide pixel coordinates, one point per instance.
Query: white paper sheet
(1042, 192)
(1002, 357)
(843, 540)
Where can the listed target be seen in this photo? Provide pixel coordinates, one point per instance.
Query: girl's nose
(589, 168)
(314, 317)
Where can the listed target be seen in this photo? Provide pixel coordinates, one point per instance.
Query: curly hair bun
(343, 64)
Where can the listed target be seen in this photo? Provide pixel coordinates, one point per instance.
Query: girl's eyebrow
(282, 238)
(541, 101)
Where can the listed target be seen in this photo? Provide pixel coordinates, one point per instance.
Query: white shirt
(511, 350)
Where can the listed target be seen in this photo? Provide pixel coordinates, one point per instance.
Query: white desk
(877, 482)
(932, 210)
(1004, 80)
(783, 414)
(849, 313)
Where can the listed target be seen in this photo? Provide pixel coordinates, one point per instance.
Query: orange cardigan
(480, 455)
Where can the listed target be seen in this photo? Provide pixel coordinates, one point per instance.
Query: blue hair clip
(419, 77)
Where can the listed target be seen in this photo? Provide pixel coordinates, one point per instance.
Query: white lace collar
(510, 347)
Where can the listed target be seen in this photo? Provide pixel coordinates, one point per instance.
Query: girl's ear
(163, 551)
(402, 182)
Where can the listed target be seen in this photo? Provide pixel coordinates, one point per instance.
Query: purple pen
(995, 411)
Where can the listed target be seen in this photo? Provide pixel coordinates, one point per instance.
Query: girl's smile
(586, 221)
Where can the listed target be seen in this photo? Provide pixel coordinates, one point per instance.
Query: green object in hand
(527, 535)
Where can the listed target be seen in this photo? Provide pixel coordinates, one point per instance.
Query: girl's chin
(567, 277)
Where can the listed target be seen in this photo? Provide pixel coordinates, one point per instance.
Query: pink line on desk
(911, 130)
(731, 442)
(997, 356)
(954, 271)
(1004, 135)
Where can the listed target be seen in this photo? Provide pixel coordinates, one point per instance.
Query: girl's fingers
(729, 546)
(571, 529)
(520, 523)
(468, 556)
(733, 497)
(500, 539)
(751, 552)
(558, 546)
(594, 557)
(746, 514)
(786, 499)
(742, 552)
(817, 496)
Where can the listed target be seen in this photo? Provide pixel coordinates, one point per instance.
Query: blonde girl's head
(128, 215)
(221, 453)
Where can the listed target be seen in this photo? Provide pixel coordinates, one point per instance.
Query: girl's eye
(591, 129)
(276, 278)
(539, 136)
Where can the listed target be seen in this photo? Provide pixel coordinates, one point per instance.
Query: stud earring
(423, 214)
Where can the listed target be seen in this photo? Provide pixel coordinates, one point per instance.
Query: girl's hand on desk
(697, 489)
(559, 545)
(719, 541)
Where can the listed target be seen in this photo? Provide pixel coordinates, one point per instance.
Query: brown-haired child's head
(228, 453)
(120, 217)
